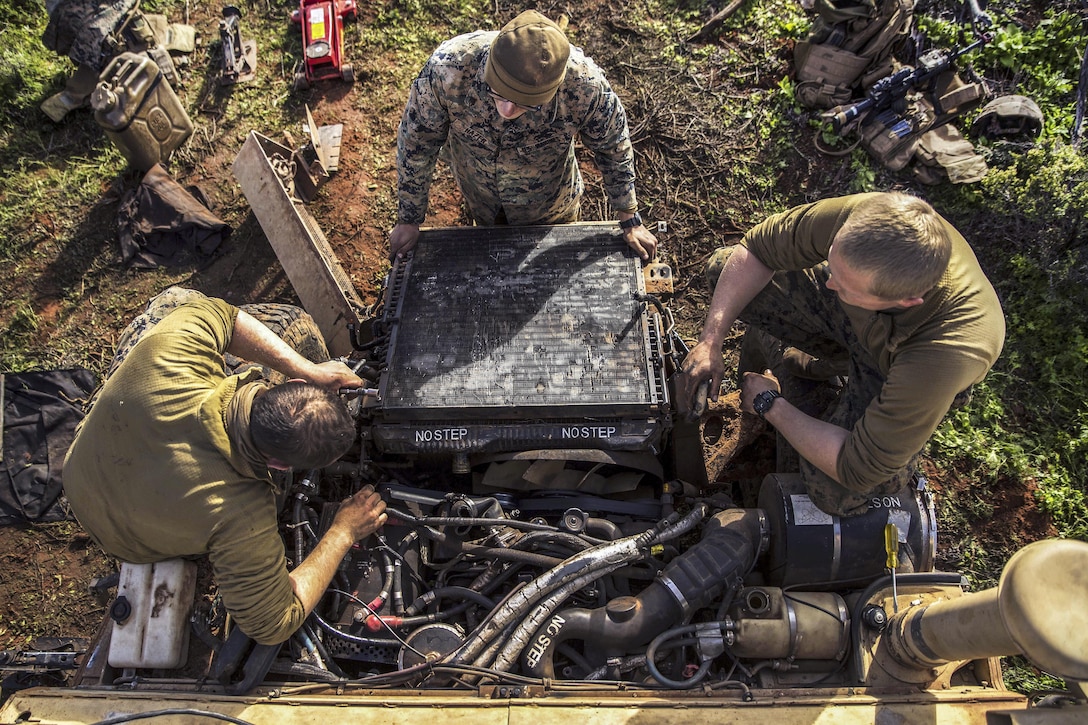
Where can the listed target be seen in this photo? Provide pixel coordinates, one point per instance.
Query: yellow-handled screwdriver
(891, 546)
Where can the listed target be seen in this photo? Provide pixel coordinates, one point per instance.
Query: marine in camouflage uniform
(907, 359)
(86, 30)
(521, 170)
(92, 33)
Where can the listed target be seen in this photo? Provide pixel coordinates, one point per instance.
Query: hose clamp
(675, 591)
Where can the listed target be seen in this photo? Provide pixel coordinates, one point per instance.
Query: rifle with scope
(891, 88)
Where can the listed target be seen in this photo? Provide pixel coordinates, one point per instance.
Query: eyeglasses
(497, 97)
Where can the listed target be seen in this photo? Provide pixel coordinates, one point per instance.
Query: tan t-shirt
(927, 353)
(152, 474)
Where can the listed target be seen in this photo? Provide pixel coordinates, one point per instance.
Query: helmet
(1009, 116)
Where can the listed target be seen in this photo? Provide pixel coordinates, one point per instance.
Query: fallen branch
(1081, 92)
(711, 25)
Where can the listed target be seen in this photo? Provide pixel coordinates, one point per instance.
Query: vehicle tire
(301, 82)
(292, 325)
(348, 73)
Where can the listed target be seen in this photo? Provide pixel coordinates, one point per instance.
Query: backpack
(850, 44)
(943, 154)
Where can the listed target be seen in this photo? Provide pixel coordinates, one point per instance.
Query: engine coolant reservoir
(151, 615)
(139, 111)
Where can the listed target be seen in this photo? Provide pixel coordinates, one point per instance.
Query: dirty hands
(333, 375)
(362, 514)
(402, 239)
(752, 384)
(640, 239)
(699, 377)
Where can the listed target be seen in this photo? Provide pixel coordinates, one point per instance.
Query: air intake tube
(732, 540)
(1037, 609)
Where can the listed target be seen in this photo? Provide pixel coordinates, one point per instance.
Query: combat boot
(58, 105)
(76, 94)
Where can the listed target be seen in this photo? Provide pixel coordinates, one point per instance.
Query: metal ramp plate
(322, 285)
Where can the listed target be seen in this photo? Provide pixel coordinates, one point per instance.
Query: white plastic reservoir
(155, 632)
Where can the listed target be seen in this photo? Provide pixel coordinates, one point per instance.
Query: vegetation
(1028, 419)
(720, 143)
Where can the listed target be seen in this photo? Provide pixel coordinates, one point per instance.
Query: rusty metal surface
(515, 706)
(533, 319)
(519, 338)
(322, 285)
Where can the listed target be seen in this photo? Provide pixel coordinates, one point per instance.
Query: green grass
(1029, 419)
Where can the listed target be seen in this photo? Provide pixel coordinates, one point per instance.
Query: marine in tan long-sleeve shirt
(881, 282)
(167, 464)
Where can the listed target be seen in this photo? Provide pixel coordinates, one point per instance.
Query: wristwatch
(763, 402)
(635, 221)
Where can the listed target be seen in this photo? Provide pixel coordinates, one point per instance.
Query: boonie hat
(528, 60)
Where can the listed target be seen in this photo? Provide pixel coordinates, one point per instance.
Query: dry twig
(712, 25)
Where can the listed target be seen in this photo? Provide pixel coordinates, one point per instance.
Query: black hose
(387, 580)
(571, 541)
(661, 639)
(354, 639)
(603, 526)
(299, 521)
(398, 572)
(576, 657)
(497, 552)
(426, 599)
(132, 717)
(488, 585)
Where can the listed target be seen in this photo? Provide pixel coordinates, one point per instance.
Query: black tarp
(161, 223)
(40, 413)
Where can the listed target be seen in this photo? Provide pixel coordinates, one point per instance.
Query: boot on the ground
(58, 105)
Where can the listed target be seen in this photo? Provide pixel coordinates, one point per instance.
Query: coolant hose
(514, 608)
(520, 636)
(427, 598)
(375, 605)
(731, 542)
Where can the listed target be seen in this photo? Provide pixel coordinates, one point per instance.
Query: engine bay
(549, 526)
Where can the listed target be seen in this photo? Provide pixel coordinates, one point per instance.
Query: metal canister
(139, 111)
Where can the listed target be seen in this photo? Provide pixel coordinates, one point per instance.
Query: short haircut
(302, 425)
(898, 238)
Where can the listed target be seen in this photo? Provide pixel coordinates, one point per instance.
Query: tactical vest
(851, 44)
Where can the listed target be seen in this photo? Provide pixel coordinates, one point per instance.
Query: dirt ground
(45, 570)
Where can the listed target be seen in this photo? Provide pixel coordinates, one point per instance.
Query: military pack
(848, 68)
(851, 42)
